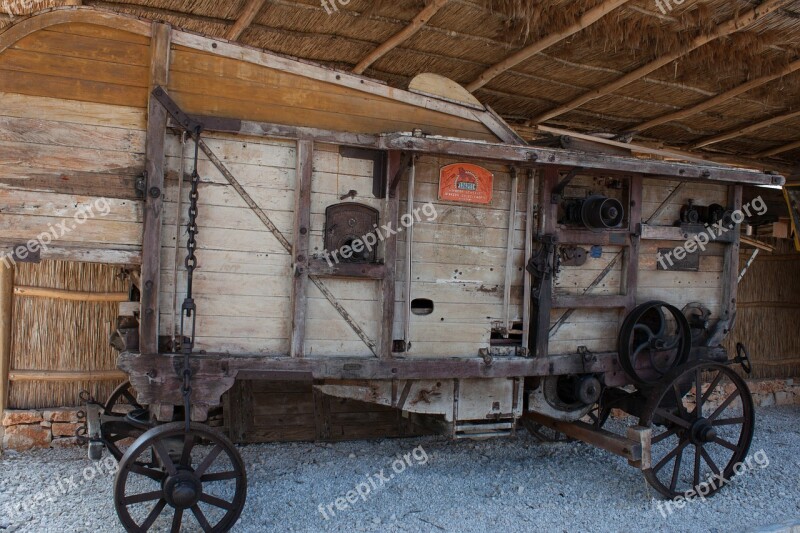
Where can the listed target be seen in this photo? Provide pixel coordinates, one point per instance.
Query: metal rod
(409, 251)
(526, 295)
(512, 215)
(747, 265)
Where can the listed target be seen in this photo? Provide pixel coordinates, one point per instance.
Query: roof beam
(249, 13)
(717, 100)
(736, 132)
(731, 26)
(779, 149)
(406, 33)
(587, 19)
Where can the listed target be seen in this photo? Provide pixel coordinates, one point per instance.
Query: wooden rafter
(779, 150)
(249, 12)
(731, 26)
(718, 99)
(587, 19)
(736, 132)
(406, 33)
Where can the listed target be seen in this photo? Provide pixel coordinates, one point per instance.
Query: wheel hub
(702, 431)
(183, 490)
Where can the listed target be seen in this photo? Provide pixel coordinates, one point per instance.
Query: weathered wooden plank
(154, 167)
(74, 112)
(300, 245)
(6, 325)
(69, 158)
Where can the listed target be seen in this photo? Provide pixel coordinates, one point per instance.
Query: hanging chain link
(189, 307)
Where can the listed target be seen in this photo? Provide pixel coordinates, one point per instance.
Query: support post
(391, 211)
(6, 324)
(154, 193)
(300, 244)
(526, 300)
(509, 267)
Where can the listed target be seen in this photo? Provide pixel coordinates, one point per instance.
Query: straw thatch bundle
(53, 334)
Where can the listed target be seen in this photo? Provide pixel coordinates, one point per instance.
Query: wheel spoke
(696, 465)
(711, 387)
(151, 518)
(728, 421)
(189, 440)
(152, 473)
(679, 400)
(676, 470)
(177, 518)
(672, 344)
(726, 444)
(672, 418)
(662, 436)
(212, 456)
(644, 329)
(131, 399)
(670, 455)
(219, 476)
(216, 502)
(724, 405)
(143, 497)
(639, 350)
(709, 461)
(201, 518)
(166, 460)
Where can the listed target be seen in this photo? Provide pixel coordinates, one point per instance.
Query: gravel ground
(504, 485)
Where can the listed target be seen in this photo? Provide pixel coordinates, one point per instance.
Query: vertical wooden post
(547, 225)
(6, 324)
(391, 212)
(154, 192)
(300, 244)
(730, 265)
(509, 267)
(630, 270)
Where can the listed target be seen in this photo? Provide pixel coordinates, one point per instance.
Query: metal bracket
(405, 163)
(378, 158)
(558, 190)
(192, 126)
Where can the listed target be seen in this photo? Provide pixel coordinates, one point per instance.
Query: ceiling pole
(406, 33)
(717, 100)
(779, 149)
(249, 12)
(736, 132)
(726, 28)
(585, 20)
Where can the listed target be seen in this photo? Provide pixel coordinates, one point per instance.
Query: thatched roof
(465, 37)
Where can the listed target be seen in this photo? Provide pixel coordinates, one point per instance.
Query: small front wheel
(702, 420)
(197, 477)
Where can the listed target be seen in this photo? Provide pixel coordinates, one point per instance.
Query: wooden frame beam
(743, 130)
(587, 19)
(75, 296)
(154, 193)
(66, 375)
(717, 100)
(300, 244)
(731, 26)
(406, 33)
(249, 13)
(779, 150)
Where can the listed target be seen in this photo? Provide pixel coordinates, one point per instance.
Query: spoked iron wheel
(702, 420)
(122, 403)
(200, 480)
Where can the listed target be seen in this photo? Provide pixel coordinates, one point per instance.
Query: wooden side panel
(327, 333)
(680, 288)
(458, 262)
(242, 285)
(81, 62)
(207, 84)
(69, 171)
